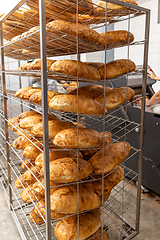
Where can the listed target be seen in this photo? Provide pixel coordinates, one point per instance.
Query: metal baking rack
(121, 211)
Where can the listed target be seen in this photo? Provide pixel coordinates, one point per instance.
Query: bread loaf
(38, 213)
(87, 138)
(88, 91)
(89, 223)
(19, 92)
(26, 66)
(116, 97)
(28, 163)
(53, 155)
(30, 121)
(88, 153)
(66, 200)
(26, 114)
(54, 127)
(110, 181)
(37, 97)
(84, 33)
(27, 93)
(36, 64)
(31, 151)
(116, 68)
(69, 67)
(27, 178)
(113, 155)
(68, 103)
(117, 38)
(65, 170)
(21, 142)
(13, 123)
(98, 235)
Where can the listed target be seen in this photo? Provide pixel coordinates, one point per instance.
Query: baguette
(116, 97)
(89, 223)
(37, 97)
(116, 68)
(66, 200)
(68, 103)
(53, 155)
(87, 138)
(54, 127)
(113, 155)
(64, 170)
(117, 38)
(84, 33)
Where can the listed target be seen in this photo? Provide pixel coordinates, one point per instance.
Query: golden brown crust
(26, 94)
(113, 155)
(37, 97)
(54, 127)
(65, 200)
(36, 64)
(69, 67)
(13, 123)
(27, 178)
(19, 92)
(116, 68)
(68, 103)
(84, 33)
(30, 121)
(28, 163)
(27, 114)
(53, 155)
(89, 223)
(117, 38)
(88, 138)
(111, 180)
(21, 142)
(26, 66)
(116, 97)
(65, 170)
(31, 151)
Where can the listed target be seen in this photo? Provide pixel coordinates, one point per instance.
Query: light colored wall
(137, 27)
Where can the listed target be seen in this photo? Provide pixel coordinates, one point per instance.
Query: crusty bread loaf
(26, 114)
(30, 121)
(21, 142)
(53, 155)
(69, 67)
(27, 93)
(27, 178)
(65, 170)
(87, 138)
(84, 33)
(89, 223)
(98, 235)
(13, 123)
(26, 66)
(88, 153)
(37, 97)
(116, 97)
(38, 213)
(28, 163)
(88, 91)
(54, 127)
(111, 180)
(68, 103)
(116, 68)
(66, 200)
(31, 151)
(19, 92)
(36, 64)
(113, 155)
(117, 38)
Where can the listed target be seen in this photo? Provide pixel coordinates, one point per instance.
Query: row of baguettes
(90, 98)
(92, 71)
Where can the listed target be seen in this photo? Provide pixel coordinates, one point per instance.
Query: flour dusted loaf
(113, 155)
(68, 103)
(37, 97)
(111, 180)
(116, 68)
(84, 33)
(89, 223)
(27, 178)
(54, 127)
(67, 200)
(53, 155)
(88, 138)
(65, 170)
(117, 38)
(69, 67)
(116, 97)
